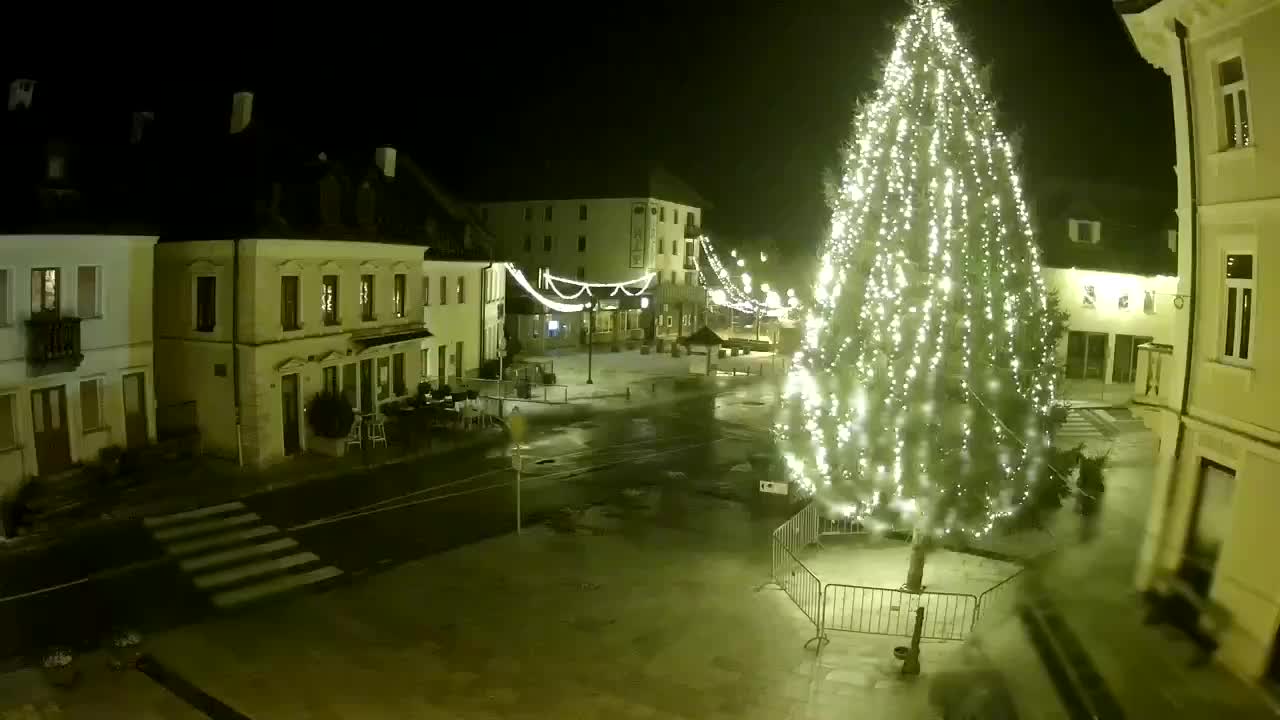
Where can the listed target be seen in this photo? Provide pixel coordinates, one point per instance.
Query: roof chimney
(241, 111)
(20, 92)
(385, 157)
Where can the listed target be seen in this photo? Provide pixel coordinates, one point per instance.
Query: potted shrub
(472, 394)
(442, 392)
(549, 378)
(330, 417)
(60, 668)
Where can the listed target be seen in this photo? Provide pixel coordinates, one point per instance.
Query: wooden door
(441, 360)
(49, 426)
(135, 410)
(289, 413)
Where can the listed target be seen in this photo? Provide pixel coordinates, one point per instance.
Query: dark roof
(106, 184)
(259, 183)
(1129, 7)
(587, 181)
(1135, 226)
(704, 336)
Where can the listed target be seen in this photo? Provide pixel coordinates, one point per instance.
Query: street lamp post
(591, 331)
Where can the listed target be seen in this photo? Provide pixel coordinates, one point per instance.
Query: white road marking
(254, 569)
(257, 591)
(187, 547)
(153, 522)
(200, 528)
(235, 554)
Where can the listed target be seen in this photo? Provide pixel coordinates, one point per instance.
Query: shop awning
(389, 335)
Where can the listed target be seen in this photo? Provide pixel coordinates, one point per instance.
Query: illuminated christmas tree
(922, 394)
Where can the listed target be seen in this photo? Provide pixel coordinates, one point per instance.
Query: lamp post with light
(591, 333)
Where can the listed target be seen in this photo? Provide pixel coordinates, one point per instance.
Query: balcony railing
(53, 343)
(1153, 383)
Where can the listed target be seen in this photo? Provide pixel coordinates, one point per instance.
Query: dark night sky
(748, 101)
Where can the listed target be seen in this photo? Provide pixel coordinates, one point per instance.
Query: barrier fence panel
(842, 526)
(799, 583)
(999, 601)
(801, 530)
(880, 611)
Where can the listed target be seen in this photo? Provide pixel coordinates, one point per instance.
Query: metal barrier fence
(880, 611)
(514, 390)
(1000, 600)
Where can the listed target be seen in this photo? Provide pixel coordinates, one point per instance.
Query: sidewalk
(650, 607)
(612, 373)
(56, 508)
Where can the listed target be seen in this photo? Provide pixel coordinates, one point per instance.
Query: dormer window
(1084, 231)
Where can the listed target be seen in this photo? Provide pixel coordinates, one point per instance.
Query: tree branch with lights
(921, 398)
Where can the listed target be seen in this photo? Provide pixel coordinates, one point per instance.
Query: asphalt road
(77, 592)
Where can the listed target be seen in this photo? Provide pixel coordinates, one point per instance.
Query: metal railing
(880, 611)
(1000, 600)
(513, 390)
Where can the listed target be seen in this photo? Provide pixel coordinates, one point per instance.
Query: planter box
(332, 447)
(675, 350)
(644, 349)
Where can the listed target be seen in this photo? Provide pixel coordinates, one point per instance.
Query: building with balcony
(288, 273)
(76, 255)
(1110, 253)
(600, 225)
(1212, 524)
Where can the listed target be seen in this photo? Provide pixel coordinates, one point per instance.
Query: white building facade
(1111, 315)
(462, 307)
(604, 240)
(76, 360)
(1212, 522)
(288, 319)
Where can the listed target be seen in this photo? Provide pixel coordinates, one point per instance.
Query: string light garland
(630, 288)
(547, 302)
(928, 292)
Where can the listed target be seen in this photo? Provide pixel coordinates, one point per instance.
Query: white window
(89, 291)
(1235, 103)
(8, 422)
(6, 297)
(91, 405)
(1149, 302)
(1084, 231)
(46, 293)
(462, 289)
(1090, 296)
(1237, 308)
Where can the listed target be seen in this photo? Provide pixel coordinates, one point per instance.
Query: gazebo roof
(705, 336)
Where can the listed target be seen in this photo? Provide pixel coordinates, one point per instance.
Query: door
(135, 410)
(49, 425)
(366, 386)
(289, 413)
(1210, 525)
(457, 361)
(1125, 365)
(441, 359)
(1086, 355)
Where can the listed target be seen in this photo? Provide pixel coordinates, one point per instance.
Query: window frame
(297, 303)
(1240, 133)
(213, 303)
(1239, 340)
(444, 290)
(548, 243)
(460, 290)
(399, 383)
(1095, 229)
(582, 212)
(528, 242)
(582, 243)
(57, 290)
(426, 291)
(6, 295)
(101, 425)
(333, 369)
(330, 316)
(12, 421)
(528, 213)
(399, 294)
(547, 213)
(97, 292)
(368, 297)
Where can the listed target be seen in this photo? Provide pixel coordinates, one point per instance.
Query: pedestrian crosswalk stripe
(253, 569)
(187, 547)
(230, 553)
(266, 588)
(222, 557)
(204, 526)
(162, 520)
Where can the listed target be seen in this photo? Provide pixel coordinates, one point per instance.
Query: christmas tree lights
(931, 338)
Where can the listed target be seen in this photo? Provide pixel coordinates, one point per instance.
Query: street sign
(517, 425)
(517, 460)
(773, 488)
